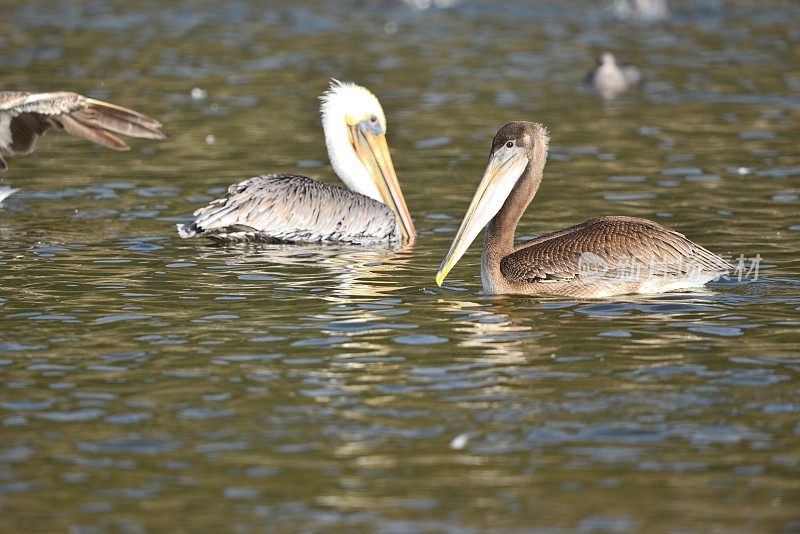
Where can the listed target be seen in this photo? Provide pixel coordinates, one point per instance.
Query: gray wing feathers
(24, 117)
(616, 248)
(291, 208)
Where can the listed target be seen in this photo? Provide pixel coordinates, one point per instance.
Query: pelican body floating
(290, 208)
(602, 257)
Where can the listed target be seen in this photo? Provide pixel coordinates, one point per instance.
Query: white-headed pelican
(290, 208)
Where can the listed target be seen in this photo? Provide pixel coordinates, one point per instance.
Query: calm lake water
(149, 383)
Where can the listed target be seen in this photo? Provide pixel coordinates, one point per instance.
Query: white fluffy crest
(346, 104)
(351, 102)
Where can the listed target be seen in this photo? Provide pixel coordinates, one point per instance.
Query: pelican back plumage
(610, 255)
(293, 209)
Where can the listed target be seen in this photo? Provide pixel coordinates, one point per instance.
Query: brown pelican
(290, 208)
(24, 117)
(608, 78)
(599, 258)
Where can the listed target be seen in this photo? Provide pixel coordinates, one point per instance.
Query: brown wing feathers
(620, 242)
(25, 130)
(96, 120)
(118, 120)
(93, 132)
(33, 115)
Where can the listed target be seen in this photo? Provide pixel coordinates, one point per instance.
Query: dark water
(150, 383)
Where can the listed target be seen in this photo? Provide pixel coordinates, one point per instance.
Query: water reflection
(347, 272)
(494, 334)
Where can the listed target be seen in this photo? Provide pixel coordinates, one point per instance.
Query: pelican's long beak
(502, 173)
(373, 152)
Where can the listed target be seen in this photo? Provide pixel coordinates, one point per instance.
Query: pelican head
(355, 133)
(515, 146)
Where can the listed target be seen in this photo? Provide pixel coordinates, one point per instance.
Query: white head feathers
(351, 102)
(344, 105)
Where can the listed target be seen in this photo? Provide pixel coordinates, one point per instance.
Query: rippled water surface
(149, 383)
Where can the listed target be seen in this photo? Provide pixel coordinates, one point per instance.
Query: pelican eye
(373, 119)
(510, 144)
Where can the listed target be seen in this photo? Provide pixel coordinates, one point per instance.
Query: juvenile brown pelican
(290, 208)
(24, 117)
(608, 78)
(599, 258)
